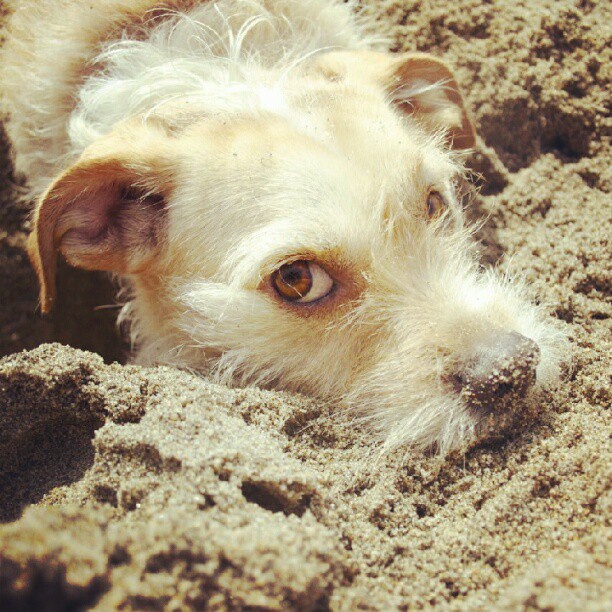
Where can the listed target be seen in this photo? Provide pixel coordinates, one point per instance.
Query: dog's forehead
(326, 139)
(305, 180)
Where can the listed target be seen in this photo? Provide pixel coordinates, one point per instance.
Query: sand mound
(154, 489)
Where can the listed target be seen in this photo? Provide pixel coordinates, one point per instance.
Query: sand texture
(150, 489)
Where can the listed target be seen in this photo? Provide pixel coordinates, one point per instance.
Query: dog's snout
(503, 368)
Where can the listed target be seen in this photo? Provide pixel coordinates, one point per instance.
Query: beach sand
(133, 488)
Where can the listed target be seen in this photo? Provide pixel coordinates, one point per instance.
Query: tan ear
(423, 86)
(419, 84)
(106, 212)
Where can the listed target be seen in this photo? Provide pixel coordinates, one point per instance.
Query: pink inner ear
(109, 227)
(87, 219)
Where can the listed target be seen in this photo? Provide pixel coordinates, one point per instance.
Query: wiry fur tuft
(72, 69)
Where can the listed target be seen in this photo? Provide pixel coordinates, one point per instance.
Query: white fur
(210, 55)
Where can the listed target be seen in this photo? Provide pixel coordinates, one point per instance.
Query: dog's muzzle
(497, 373)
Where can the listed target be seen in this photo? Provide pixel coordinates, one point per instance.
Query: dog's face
(313, 243)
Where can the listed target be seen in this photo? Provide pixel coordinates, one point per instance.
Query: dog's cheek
(254, 341)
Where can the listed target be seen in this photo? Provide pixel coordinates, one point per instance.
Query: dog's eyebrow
(428, 166)
(261, 252)
(400, 188)
(401, 197)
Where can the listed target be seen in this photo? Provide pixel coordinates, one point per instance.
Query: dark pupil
(296, 274)
(292, 277)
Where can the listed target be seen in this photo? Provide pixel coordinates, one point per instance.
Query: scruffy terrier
(280, 198)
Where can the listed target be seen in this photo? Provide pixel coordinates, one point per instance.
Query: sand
(132, 488)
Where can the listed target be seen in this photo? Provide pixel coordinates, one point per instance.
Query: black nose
(503, 369)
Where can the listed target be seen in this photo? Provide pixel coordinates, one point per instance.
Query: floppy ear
(422, 85)
(418, 84)
(106, 212)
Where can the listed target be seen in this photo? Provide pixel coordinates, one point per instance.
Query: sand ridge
(155, 489)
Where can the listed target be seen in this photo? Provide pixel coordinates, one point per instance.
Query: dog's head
(311, 240)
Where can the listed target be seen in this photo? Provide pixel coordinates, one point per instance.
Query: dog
(279, 194)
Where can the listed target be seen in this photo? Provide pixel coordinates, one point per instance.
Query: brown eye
(436, 204)
(302, 282)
